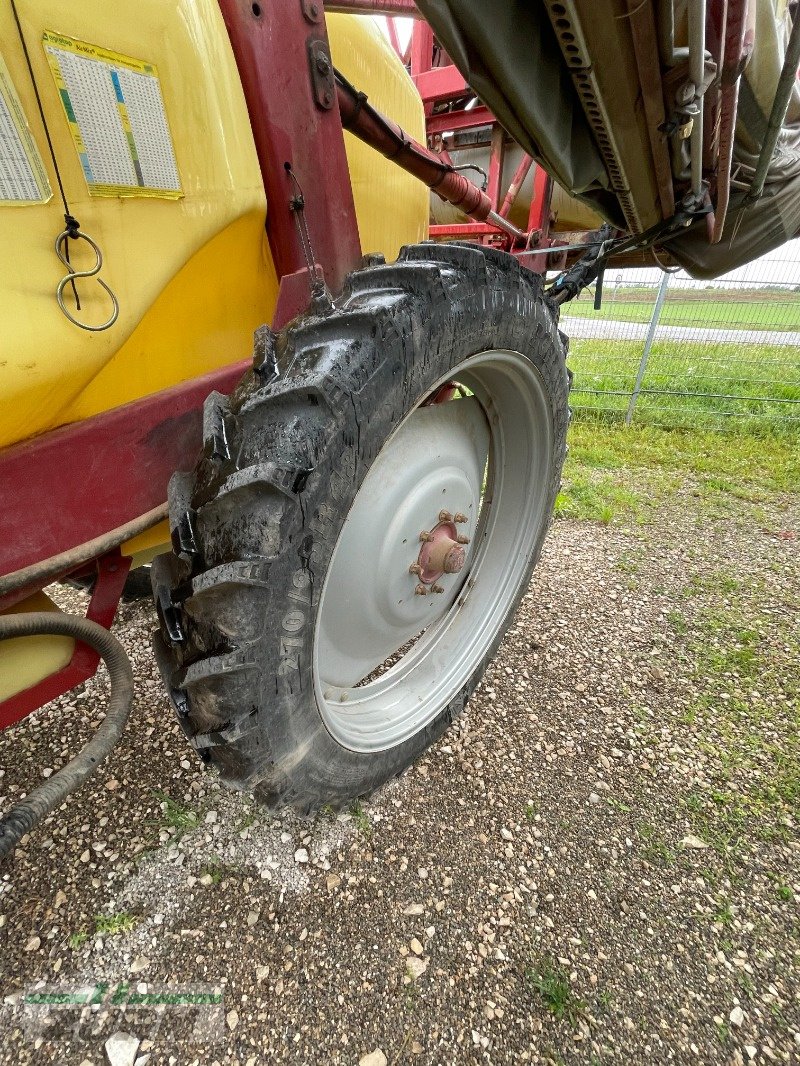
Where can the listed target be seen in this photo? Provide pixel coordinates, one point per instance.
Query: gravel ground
(599, 862)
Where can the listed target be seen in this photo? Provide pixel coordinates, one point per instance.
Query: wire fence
(671, 350)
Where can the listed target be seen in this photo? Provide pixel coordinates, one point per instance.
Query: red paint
(539, 214)
(112, 570)
(77, 482)
(421, 48)
(404, 8)
(381, 133)
(294, 296)
(459, 231)
(440, 84)
(520, 174)
(272, 54)
(496, 157)
(429, 571)
(453, 121)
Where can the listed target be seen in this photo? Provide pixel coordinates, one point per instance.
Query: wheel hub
(442, 552)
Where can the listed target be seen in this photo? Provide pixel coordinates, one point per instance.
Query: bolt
(420, 590)
(445, 516)
(459, 517)
(462, 539)
(425, 536)
(436, 588)
(314, 9)
(323, 66)
(415, 568)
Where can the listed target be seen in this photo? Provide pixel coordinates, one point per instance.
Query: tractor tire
(269, 609)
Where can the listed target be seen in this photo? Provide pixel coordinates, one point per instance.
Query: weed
(111, 924)
(177, 815)
(655, 851)
(551, 981)
(596, 498)
(361, 819)
(723, 914)
(678, 622)
(530, 811)
(77, 940)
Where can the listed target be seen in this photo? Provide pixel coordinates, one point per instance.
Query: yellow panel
(26, 660)
(392, 206)
(46, 362)
(194, 277)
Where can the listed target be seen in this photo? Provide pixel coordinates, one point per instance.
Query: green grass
(77, 940)
(550, 981)
(709, 382)
(744, 712)
(722, 309)
(731, 463)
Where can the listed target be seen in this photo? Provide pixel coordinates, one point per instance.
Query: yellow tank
(188, 262)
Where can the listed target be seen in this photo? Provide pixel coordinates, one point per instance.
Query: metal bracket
(312, 10)
(322, 75)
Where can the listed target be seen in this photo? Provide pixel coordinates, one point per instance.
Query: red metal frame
(70, 486)
(445, 94)
(275, 45)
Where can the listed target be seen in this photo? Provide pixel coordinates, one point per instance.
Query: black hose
(44, 798)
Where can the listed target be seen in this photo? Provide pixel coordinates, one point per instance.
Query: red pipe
(520, 174)
(393, 142)
(374, 7)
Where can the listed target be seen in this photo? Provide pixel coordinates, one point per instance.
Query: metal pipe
(520, 174)
(39, 574)
(392, 8)
(735, 53)
(697, 68)
(386, 137)
(780, 105)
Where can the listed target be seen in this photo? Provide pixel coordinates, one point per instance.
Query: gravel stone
(608, 731)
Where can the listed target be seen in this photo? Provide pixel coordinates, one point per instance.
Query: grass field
(753, 385)
(721, 308)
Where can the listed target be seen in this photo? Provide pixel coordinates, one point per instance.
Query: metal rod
(520, 174)
(405, 8)
(386, 137)
(697, 67)
(648, 344)
(733, 57)
(779, 107)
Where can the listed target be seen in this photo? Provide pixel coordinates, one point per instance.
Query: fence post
(648, 344)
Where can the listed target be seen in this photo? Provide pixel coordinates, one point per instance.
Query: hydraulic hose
(45, 797)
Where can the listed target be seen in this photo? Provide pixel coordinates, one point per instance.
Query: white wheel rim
(368, 608)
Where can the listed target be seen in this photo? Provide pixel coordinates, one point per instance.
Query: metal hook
(61, 248)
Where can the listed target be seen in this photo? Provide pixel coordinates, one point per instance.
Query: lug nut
(436, 588)
(445, 516)
(425, 536)
(459, 517)
(420, 590)
(462, 539)
(415, 568)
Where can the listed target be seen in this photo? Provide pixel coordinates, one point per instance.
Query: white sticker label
(116, 116)
(23, 179)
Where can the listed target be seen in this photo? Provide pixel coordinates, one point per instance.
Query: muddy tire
(245, 644)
